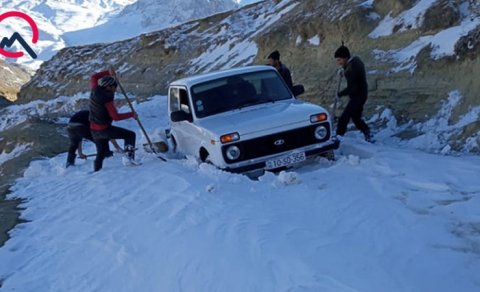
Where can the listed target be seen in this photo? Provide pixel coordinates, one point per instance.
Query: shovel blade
(160, 147)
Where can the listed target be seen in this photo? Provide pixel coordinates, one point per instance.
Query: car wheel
(204, 155)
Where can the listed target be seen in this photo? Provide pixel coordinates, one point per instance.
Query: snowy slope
(146, 16)
(442, 43)
(381, 218)
(76, 22)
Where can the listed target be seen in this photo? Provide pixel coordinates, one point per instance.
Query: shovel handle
(137, 118)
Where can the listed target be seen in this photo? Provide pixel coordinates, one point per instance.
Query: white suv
(246, 119)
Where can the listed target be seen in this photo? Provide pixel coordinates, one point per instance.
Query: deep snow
(381, 218)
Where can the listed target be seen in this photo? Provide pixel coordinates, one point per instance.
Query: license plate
(285, 160)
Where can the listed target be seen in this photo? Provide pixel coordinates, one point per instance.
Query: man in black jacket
(102, 113)
(274, 60)
(78, 128)
(357, 90)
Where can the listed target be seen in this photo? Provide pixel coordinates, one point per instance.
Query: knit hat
(107, 81)
(342, 52)
(274, 55)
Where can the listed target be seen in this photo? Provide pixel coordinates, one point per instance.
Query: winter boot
(129, 158)
(368, 136)
(70, 160)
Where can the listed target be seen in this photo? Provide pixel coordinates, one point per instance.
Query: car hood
(262, 118)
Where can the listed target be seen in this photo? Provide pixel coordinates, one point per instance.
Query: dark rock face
(441, 15)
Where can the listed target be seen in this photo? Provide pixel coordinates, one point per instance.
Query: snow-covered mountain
(146, 16)
(65, 23)
(54, 18)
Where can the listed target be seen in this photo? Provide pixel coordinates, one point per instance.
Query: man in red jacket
(102, 113)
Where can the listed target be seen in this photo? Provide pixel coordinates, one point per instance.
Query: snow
(436, 133)
(54, 18)
(14, 115)
(380, 218)
(64, 23)
(17, 151)
(441, 43)
(298, 41)
(314, 41)
(366, 4)
(144, 16)
(407, 20)
(234, 44)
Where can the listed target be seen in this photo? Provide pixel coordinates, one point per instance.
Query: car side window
(184, 104)
(174, 99)
(179, 100)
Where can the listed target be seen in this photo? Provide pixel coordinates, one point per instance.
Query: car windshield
(234, 92)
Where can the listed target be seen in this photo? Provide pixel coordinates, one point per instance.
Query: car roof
(196, 79)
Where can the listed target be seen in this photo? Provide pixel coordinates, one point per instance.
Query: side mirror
(180, 116)
(298, 89)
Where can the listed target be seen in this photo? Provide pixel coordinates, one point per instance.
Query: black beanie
(274, 55)
(342, 52)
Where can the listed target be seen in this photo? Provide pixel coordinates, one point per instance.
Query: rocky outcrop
(12, 78)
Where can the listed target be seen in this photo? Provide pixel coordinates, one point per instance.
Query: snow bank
(436, 134)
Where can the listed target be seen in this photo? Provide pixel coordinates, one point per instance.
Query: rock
(447, 11)
(12, 77)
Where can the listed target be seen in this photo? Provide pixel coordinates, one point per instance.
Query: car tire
(204, 155)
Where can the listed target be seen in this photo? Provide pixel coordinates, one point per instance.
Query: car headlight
(233, 152)
(230, 138)
(318, 118)
(321, 132)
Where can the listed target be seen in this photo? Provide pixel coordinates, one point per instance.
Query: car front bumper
(260, 163)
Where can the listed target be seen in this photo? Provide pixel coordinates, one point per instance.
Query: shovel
(149, 142)
(337, 98)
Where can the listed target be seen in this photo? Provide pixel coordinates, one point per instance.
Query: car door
(186, 133)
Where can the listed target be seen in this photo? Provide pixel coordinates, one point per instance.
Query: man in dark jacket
(357, 90)
(274, 60)
(78, 128)
(102, 113)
